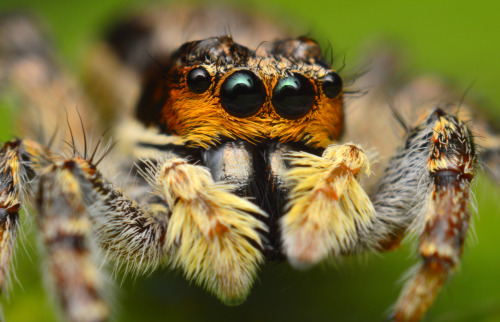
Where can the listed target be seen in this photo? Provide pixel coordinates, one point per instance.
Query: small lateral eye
(198, 80)
(332, 85)
(242, 94)
(293, 96)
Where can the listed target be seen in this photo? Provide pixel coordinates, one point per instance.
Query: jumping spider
(236, 156)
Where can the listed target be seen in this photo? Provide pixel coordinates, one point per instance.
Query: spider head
(216, 89)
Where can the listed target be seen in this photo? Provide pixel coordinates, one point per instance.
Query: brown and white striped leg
(17, 163)
(426, 188)
(9, 222)
(63, 225)
(444, 222)
(65, 196)
(72, 261)
(16, 173)
(9, 208)
(129, 235)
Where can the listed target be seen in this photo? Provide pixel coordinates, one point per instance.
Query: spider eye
(332, 85)
(293, 96)
(198, 80)
(242, 94)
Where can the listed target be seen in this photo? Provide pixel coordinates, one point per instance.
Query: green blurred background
(455, 39)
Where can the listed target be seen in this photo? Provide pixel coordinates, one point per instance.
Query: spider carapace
(240, 156)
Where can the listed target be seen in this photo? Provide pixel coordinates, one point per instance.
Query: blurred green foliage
(452, 38)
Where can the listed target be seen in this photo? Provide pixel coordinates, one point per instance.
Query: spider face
(214, 90)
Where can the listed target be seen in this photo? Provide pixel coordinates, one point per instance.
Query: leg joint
(450, 177)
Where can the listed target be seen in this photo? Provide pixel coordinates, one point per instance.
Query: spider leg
(15, 176)
(28, 67)
(212, 235)
(70, 197)
(444, 220)
(72, 260)
(434, 203)
(9, 208)
(215, 236)
(73, 274)
(426, 188)
(327, 204)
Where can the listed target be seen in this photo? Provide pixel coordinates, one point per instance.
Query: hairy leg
(65, 200)
(327, 205)
(71, 256)
(425, 188)
(443, 218)
(17, 161)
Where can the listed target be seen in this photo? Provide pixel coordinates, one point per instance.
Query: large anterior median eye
(332, 85)
(242, 94)
(293, 96)
(198, 80)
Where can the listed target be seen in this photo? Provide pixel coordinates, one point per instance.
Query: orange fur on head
(200, 119)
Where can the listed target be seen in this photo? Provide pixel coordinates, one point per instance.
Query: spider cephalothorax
(215, 89)
(236, 157)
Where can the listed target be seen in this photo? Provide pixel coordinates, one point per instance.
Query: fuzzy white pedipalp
(214, 233)
(327, 205)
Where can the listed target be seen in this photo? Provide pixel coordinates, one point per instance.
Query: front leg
(215, 234)
(327, 204)
(426, 189)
